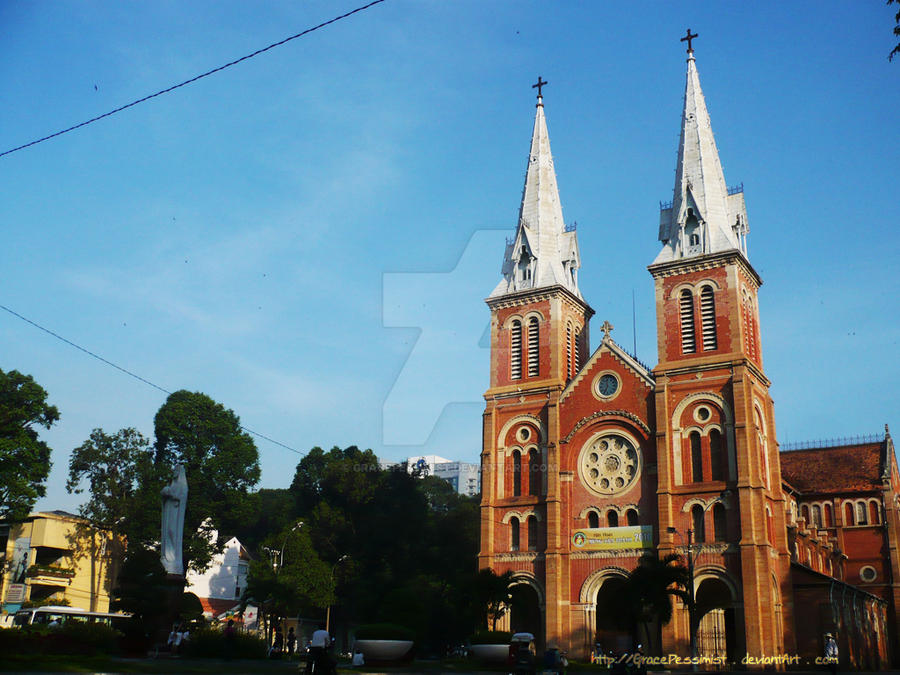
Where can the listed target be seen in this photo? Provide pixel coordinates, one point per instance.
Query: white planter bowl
(494, 653)
(383, 650)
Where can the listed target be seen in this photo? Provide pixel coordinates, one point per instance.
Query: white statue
(174, 501)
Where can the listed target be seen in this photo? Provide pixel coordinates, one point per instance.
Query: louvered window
(515, 360)
(533, 348)
(708, 318)
(568, 350)
(719, 523)
(688, 346)
(514, 534)
(577, 350)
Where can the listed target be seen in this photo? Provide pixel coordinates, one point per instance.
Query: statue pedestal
(173, 590)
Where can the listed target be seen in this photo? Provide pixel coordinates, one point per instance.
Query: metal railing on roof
(844, 441)
(571, 227)
(665, 205)
(734, 189)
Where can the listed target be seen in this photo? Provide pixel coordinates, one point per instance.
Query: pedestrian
(291, 643)
(831, 652)
(358, 659)
(230, 638)
(277, 644)
(318, 654)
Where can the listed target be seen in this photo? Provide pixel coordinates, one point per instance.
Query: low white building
(221, 585)
(465, 477)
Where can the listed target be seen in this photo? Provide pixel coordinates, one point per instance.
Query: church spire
(544, 251)
(705, 216)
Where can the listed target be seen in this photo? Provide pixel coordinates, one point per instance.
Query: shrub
(491, 637)
(383, 631)
(210, 643)
(72, 638)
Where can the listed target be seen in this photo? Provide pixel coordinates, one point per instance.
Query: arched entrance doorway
(526, 613)
(715, 610)
(609, 632)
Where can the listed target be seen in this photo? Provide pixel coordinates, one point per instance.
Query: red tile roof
(847, 468)
(213, 607)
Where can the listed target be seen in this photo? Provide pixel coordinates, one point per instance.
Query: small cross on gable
(607, 328)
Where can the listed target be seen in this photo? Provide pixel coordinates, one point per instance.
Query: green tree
(118, 471)
(895, 50)
(492, 595)
(646, 596)
(288, 578)
(24, 458)
(221, 462)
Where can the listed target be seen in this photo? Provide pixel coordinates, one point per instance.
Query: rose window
(610, 464)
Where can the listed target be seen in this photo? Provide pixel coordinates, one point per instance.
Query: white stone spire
(704, 216)
(543, 253)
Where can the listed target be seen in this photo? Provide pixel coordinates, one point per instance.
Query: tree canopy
(118, 471)
(24, 458)
(221, 462)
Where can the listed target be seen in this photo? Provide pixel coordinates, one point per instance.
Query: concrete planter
(383, 650)
(495, 653)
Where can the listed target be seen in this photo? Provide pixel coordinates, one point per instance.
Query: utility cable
(194, 79)
(131, 374)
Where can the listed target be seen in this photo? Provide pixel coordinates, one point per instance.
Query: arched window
(515, 350)
(534, 363)
(631, 517)
(716, 455)
(612, 518)
(720, 525)
(513, 534)
(532, 534)
(569, 369)
(699, 526)
(848, 514)
(593, 519)
(861, 515)
(770, 526)
(534, 473)
(708, 318)
(517, 473)
(688, 345)
(817, 516)
(696, 458)
(805, 511)
(829, 516)
(873, 513)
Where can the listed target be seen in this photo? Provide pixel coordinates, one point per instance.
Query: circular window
(702, 414)
(606, 386)
(524, 434)
(610, 464)
(868, 573)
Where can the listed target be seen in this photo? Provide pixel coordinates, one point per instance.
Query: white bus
(53, 615)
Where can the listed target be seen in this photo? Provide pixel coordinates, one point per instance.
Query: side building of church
(590, 461)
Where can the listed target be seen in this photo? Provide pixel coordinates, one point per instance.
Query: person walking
(831, 652)
(291, 643)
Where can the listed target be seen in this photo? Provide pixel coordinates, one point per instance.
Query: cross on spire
(607, 328)
(687, 38)
(539, 85)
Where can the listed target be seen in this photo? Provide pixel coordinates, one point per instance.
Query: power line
(131, 374)
(194, 79)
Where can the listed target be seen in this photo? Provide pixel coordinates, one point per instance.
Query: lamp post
(692, 608)
(328, 611)
(690, 586)
(277, 557)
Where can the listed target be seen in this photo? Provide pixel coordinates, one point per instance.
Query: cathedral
(591, 461)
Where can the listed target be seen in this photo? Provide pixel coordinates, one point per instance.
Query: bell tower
(719, 472)
(539, 340)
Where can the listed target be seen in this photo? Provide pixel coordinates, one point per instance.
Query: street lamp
(277, 555)
(328, 611)
(692, 609)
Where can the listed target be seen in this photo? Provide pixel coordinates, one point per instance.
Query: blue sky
(284, 236)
